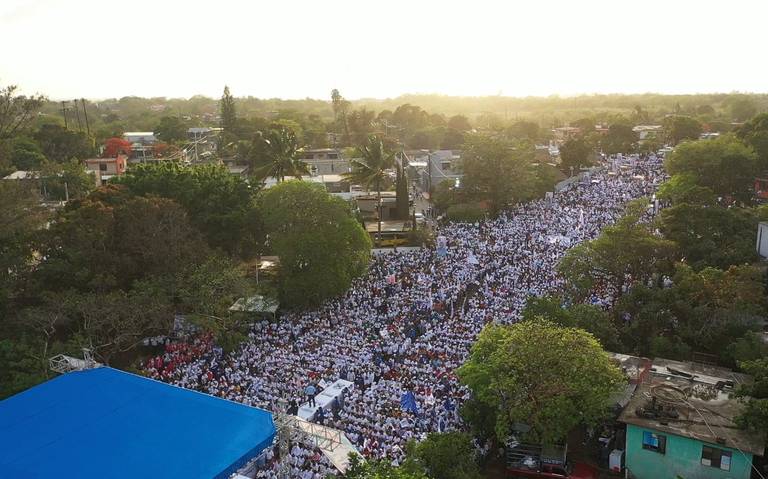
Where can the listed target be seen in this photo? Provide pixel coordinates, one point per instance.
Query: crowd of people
(410, 322)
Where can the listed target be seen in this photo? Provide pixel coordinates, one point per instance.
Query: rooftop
(104, 422)
(690, 400)
(388, 227)
(321, 150)
(255, 304)
(22, 175)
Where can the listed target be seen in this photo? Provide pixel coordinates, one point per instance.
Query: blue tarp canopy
(105, 423)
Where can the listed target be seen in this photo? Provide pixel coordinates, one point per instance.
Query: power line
(85, 113)
(735, 446)
(64, 112)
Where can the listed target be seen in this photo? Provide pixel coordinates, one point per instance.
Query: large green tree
(20, 218)
(26, 154)
(588, 317)
(524, 130)
(94, 246)
(65, 181)
(683, 188)
(59, 144)
(171, 129)
(220, 205)
(575, 154)
(711, 235)
(755, 134)
(496, 172)
(373, 469)
(444, 456)
(699, 311)
(754, 417)
(724, 165)
(678, 128)
(321, 246)
(546, 376)
(16, 111)
(626, 252)
(619, 139)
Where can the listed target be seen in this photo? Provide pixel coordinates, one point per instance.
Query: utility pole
(429, 175)
(85, 113)
(77, 115)
(64, 112)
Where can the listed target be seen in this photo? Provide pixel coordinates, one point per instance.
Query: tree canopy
(94, 246)
(724, 165)
(495, 171)
(545, 376)
(20, 218)
(59, 144)
(588, 317)
(704, 311)
(16, 111)
(711, 235)
(220, 205)
(755, 395)
(678, 128)
(627, 252)
(619, 139)
(755, 134)
(574, 154)
(444, 456)
(322, 248)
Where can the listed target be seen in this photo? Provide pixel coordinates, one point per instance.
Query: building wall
(328, 167)
(682, 459)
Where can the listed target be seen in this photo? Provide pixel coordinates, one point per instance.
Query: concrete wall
(681, 460)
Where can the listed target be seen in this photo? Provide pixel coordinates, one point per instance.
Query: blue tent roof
(104, 423)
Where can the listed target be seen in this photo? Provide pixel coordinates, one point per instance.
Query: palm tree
(371, 169)
(276, 154)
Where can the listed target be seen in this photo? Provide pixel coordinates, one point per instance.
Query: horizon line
(402, 95)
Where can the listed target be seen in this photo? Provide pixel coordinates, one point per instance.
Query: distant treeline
(144, 113)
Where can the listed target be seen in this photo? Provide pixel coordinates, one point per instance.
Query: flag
(408, 402)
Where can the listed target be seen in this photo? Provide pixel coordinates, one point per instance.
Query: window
(102, 167)
(714, 457)
(333, 156)
(654, 442)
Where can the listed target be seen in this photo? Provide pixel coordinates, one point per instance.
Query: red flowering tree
(116, 146)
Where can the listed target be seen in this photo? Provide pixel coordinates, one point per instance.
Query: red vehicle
(761, 189)
(544, 462)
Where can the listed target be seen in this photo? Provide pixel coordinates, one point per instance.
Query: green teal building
(680, 425)
(655, 454)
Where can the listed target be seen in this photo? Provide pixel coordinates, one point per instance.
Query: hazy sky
(305, 48)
